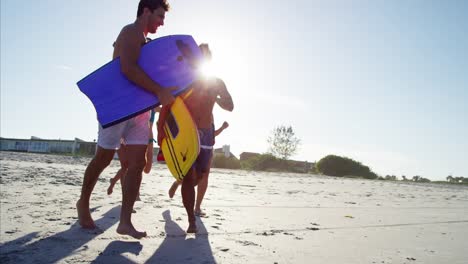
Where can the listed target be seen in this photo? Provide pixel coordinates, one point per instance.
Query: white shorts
(135, 131)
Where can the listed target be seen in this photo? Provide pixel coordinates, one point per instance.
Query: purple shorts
(202, 164)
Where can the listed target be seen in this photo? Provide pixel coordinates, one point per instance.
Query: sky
(381, 82)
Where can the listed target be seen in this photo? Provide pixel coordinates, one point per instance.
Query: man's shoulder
(131, 33)
(129, 29)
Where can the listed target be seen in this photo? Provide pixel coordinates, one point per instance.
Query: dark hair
(152, 5)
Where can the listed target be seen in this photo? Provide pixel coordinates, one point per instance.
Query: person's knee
(124, 165)
(190, 179)
(102, 160)
(137, 165)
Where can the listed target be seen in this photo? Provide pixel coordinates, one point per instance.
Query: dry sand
(253, 217)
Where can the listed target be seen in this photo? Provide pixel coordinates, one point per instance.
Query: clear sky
(382, 82)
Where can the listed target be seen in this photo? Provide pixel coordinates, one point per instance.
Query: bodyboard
(181, 144)
(170, 61)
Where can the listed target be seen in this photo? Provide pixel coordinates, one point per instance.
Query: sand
(252, 217)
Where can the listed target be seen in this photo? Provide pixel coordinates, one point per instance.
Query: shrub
(263, 162)
(333, 165)
(221, 161)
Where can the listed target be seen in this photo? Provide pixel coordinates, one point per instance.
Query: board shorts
(202, 164)
(134, 131)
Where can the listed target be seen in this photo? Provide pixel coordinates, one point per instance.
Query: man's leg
(201, 190)
(207, 157)
(114, 180)
(149, 157)
(173, 188)
(188, 198)
(131, 186)
(123, 169)
(101, 160)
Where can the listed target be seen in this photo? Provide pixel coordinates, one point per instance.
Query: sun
(207, 69)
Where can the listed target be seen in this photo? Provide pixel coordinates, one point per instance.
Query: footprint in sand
(247, 243)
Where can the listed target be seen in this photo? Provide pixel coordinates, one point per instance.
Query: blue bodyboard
(169, 61)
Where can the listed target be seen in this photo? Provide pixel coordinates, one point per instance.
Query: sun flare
(207, 69)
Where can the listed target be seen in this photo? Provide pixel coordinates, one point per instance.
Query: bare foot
(173, 189)
(192, 228)
(200, 213)
(129, 230)
(84, 216)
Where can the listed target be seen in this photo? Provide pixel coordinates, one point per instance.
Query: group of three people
(134, 132)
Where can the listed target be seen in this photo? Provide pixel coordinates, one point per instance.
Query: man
(204, 94)
(134, 132)
(203, 180)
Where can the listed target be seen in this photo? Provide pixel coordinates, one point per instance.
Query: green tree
(283, 142)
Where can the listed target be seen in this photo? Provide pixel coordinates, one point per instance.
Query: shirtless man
(205, 93)
(203, 180)
(134, 132)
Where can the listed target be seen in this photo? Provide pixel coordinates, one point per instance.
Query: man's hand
(225, 125)
(205, 49)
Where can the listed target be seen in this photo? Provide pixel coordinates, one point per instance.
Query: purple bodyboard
(170, 61)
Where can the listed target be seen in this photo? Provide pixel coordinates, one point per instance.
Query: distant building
(39, 145)
(302, 166)
(225, 150)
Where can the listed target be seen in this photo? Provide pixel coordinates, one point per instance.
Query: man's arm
(224, 99)
(161, 121)
(130, 52)
(221, 129)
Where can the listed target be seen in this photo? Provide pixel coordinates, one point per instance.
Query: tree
(450, 178)
(283, 142)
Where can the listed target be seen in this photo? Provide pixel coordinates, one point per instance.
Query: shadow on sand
(178, 247)
(58, 246)
(115, 250)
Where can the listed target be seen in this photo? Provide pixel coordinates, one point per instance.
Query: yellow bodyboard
(181, 144)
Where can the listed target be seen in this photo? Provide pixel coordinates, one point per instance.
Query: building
(39, 145)
(225, 150)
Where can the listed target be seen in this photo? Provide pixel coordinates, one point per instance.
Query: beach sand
(252, 217)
